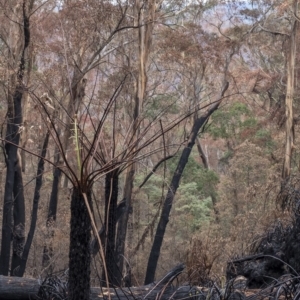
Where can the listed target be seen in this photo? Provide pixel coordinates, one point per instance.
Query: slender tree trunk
(26, 108)
(7, 221)
(79, 254)
(289, 143)
(11, 147)
(146, 15)
(111, 199)
(122, 226)
(19, 220)
(36, 199)
(164, 218)
(18, 190)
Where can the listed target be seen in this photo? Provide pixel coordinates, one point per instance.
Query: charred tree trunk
(7, 221)
(19, 199)
(11, 147)
(164, 218)
(79, 254)
(95, 247)
(19, 220)
(111, 199)
(36, 199)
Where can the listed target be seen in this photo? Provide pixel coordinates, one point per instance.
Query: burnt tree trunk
(36, 199)
(11, 160)
(164, 218)
(111, 199)
(19, 220)
(79, 254)
(14, 123)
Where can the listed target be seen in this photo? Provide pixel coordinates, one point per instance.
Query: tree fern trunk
(79, 254)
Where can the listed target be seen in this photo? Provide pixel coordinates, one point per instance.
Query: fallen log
(20, 288)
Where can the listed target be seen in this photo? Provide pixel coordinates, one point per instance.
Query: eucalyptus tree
(145, 18)
(195, 54)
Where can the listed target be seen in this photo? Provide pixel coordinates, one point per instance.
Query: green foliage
(205, 180)
(249, 123)
(195, 211)
(229, 123)
(193, 205)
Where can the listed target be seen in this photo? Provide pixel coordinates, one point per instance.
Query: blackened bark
(111, 199)
(95, 247)
(19, 221)
(12, 141)
(52, 211)
(12, 136)
(36, 199)
(79, 254)
(11, 152)
(164, 218)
